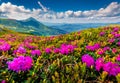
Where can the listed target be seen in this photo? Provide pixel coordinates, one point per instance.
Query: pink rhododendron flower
(93, 48)
(66, 49)
(48, 50)
(3, 81)
(100, 51)
(113, 33)
(116, 29)
(56, 50)
(35, 52)
(5, 47)
(118, 43)
(21, 63)
(114, 50)
(111, 40)
(106, 48)
(27, 44)
(99, 64)
(88, 60)
(102, 33)
(20, 50)
(116, 35)
(118, 58)
(112, 68)
(2, 41)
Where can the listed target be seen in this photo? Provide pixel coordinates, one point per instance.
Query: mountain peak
(31, 19)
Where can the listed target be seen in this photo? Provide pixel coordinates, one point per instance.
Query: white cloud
(111, 10)
(15, 12)
(8, 7)
(60, 15)
(78, 13)
(44, 8)
(109, 14)
(69, 13)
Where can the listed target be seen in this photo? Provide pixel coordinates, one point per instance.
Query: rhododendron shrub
(99, 64)
(21, 63)
(91, 55)
(20, 50)
(36, 52)
(88, 60)
(4, 46)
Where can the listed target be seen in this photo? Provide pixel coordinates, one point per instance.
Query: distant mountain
(31, 22)
(77, 27)
(31, 26)
(118, 22)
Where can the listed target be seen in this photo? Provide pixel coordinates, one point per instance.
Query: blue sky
(64, 5)
(62, 11)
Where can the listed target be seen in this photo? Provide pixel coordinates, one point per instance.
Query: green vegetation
(91, 55)
(5, 30)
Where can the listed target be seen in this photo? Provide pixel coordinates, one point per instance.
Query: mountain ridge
(78, 26)
(31, 26)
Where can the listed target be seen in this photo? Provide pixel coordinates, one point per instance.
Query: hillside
(30, 26)
(78, 26)
(5, 30)
(91, 55)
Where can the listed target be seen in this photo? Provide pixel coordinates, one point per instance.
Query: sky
(62, 11)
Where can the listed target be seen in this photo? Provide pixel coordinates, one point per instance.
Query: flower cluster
(101, 51)
(35, 52)
(21, 63)
(112, 68)
(48, 50)
(99, 64)
(66, 49)
(4, 46)
(20, 50)
(93, 48)
(86, 58)
(56, 50)
(77, 55)
(102, 33)
(115, 29)
(28, 45)
(118, 58)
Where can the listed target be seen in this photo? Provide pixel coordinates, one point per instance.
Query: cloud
(109, 14)
(44, 8)
(13, 11)
(78, 13)
(111, 10)
(69, 13)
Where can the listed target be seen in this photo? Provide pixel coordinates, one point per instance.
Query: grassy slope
(49, 68)
(4, 30)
